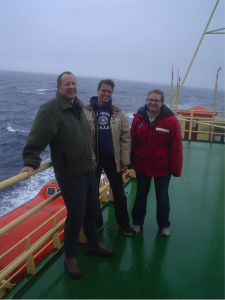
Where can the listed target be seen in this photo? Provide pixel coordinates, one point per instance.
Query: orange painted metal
(16, 234)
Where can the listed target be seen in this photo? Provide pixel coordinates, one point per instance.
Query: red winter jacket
(156, 147)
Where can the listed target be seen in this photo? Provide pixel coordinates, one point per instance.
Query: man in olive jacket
(62, 124)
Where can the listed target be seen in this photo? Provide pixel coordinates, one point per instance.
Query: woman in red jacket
(156, 152)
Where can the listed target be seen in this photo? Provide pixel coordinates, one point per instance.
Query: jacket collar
(113, 107)
(64, 103)
(164, 113)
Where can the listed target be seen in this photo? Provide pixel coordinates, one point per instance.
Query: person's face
(68, 86)
(154, 103)
(104, 94)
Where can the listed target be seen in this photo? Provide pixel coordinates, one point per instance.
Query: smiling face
(68, 86)
(104, 94)
(154, 104)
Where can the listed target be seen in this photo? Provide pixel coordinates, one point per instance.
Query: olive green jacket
(69, 138)
(120, 131)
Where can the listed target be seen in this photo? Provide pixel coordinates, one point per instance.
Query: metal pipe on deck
(177, 91)
(8, 182)
(171, 90)
(214, 106)
(196, 49)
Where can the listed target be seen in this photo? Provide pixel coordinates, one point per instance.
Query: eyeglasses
(153, 100)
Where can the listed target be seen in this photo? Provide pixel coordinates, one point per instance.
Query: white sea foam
(10, 129)
(130, 115)
(41, 91)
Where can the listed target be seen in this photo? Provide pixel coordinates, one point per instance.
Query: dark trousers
(162, 198)
(81, 199)
(116, 183)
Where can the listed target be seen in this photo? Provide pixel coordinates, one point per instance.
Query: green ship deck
(187, 264)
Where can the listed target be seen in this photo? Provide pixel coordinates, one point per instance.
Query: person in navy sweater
(112, 145)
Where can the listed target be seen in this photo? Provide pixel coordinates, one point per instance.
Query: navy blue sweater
(103, 115)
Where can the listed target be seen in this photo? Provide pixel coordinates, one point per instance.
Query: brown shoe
(72, 267)
(100, 250)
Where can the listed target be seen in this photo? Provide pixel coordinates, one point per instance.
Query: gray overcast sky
(122, 39)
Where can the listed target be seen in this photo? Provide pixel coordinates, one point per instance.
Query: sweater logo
(140, 124)
(103, 120)
(116, 115)
(90, 123)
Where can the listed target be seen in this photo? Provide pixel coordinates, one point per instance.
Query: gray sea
(21, 95)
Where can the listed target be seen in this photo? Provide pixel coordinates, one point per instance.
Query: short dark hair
(157, 91)
(106, 81)
(59, 79)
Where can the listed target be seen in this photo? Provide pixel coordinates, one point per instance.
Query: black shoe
(100, 250)
(127, 229)
(72, 267)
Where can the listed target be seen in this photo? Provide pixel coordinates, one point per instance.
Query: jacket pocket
(161, 161)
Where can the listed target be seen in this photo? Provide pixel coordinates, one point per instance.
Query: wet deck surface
(187, 264)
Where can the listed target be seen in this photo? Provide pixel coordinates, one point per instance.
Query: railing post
(132, 173)
(82, 238)
(110, 194)
(171, 90)
(56, 239)
(124, 178)
(190, 126)
(177, 91)
(2, 291)
(214, 106)
(104, 196)
(30, 260)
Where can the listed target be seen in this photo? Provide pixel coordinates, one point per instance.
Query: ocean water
(21, 95)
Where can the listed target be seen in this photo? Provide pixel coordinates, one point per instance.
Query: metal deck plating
(187, 264)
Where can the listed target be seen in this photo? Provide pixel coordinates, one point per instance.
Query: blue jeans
(162, 199)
